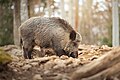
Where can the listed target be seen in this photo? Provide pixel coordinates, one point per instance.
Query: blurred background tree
(91, 18)
(6, 22)
(96, 22)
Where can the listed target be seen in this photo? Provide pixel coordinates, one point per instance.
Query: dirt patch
(49, 67)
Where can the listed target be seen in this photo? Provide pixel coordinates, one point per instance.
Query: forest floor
(49, 67)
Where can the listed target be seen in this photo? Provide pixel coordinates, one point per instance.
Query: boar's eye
(72, 35)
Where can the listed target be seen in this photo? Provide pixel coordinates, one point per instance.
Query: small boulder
(37, 77)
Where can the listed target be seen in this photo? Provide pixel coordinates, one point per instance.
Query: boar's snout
(71, 49)
(74, 54)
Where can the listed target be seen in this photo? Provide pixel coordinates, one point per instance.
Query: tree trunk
(31, 8)
(62, 9)
(71, 17)
(76, 14)
(49, 2)
(104, 67)
(24, 10)
(16, 22)
(115, 23)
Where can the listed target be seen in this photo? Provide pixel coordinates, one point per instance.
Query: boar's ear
(72, 35)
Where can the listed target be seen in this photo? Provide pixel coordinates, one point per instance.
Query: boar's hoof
(74, 54)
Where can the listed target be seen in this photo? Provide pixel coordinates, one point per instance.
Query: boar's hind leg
(25, 53)
(28, 48)
(30, 53)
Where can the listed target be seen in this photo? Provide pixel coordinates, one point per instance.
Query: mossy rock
(5, 58)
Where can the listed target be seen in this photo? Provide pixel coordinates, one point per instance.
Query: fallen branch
(106, 65)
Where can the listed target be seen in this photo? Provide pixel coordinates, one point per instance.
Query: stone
(37, 77)
(34, 63)
(49, 65)
(26, 67)
(63, 57)
(59, 63)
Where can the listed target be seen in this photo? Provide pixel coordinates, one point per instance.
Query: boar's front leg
(58, 49)
(60, 52)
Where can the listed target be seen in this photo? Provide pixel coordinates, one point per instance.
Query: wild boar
(49, 32)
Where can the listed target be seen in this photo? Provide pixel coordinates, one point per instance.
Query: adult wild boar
(49, 32)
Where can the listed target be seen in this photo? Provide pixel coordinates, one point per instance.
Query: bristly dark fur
(47, 32)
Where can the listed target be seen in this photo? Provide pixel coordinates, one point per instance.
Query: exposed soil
(49, 67)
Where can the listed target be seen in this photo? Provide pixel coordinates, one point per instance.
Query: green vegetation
(106, 41)
(4, 57)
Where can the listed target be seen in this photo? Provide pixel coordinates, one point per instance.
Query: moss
(106, 41)
(4, 57)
